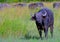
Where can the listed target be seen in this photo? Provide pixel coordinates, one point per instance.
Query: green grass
(15, 25)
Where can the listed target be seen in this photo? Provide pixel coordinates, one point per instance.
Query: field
(16, 26)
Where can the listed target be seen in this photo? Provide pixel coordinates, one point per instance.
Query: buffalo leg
(46, 32)
(51, 30)
(40, 32)
(39, 26)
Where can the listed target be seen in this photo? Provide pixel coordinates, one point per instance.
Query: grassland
(15, 25)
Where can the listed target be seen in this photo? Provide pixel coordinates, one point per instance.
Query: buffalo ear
(32, 18)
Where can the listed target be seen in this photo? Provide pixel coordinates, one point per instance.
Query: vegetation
(11, 1)
(15, 25)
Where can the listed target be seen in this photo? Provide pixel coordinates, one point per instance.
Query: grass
(15, 25)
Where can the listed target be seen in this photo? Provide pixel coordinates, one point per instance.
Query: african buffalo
(32, 5)
(56, 5)
(35, 5)
(20, 4)
(44, 19)
(40, 4)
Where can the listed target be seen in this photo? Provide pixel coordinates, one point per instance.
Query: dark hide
(44, 19)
